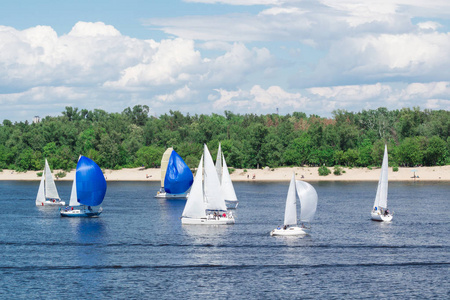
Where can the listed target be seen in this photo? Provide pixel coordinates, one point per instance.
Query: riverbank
(441, 173)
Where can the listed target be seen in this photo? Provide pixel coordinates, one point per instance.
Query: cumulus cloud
(385, 57)
(88, 55)
(258, 99)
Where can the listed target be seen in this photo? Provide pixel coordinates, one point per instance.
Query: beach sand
(267, 174)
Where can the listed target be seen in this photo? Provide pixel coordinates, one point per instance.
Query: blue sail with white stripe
(90, 182)
(178, 176)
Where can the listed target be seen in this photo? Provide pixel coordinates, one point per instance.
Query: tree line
(133, 138)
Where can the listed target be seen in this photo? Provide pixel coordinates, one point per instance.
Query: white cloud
(351, 92)
(90, 54)
(181, 95)
(169, 64)
(373, 58)
(258, 99)
(437, 104)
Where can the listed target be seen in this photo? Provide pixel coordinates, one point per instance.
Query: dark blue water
(137, 248)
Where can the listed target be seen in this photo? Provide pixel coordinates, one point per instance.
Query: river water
(138, 248)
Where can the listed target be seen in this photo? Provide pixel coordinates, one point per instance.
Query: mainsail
(219, 163)
(290, 212)
(195, 207)
(213, 194)
(227, 185)
(50, 187)
(164, 162)
(382, 190)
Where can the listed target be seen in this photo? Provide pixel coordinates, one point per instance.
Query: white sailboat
(308, 201)
(47, 193)
(205, 204)
(225, 180)
(380, 211)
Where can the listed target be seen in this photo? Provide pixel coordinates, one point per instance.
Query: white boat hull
(376, 216)
(80, 212)
(208, 221)
(231, 204)
(290, 231)
(165, 195)
(51, 203)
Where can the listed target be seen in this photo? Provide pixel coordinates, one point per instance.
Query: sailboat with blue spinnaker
(88, 190)
(176, 177)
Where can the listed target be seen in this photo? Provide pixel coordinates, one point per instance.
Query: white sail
(73, 194)
(382, 190)
(40, 198)
(164, 162)
(290, 212)
(213, 193)
(219, 163)
(227, 184)
(308, 200)
(195, 207)
(50, 187)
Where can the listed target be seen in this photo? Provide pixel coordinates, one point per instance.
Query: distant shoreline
(439, 173)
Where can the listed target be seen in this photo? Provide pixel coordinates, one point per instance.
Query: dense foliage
(132, 138)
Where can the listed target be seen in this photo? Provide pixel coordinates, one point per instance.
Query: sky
(211, 56)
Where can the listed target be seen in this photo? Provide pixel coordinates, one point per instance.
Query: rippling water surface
(137, 248)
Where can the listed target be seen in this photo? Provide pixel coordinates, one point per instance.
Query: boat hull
(231, 204)
(80, 212)
(290, 231)
(375, 216)
(164, 195)
(51, 203)
(207, 221)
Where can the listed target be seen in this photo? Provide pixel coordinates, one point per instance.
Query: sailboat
(47, 193)
(88, 190)
(308, 201)
(225, 180)
(380, 211)
(176, 177)
(205, 204)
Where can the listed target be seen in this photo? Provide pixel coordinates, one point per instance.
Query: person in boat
(285, 227)
(386, 212)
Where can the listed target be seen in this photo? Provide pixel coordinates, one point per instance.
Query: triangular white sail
(195, 207)
(73, 194)
(382, 190)
(164, 162)
(213, 194)
(219, 163)
(290, 212)
(308, 200)
(50, 187)
(40, 198)
(227, 185)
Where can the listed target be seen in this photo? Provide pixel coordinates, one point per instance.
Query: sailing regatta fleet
(210, 195)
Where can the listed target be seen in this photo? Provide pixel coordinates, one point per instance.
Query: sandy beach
(267, 174)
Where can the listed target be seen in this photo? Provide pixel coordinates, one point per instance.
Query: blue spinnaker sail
(91, 184)
(178, 176)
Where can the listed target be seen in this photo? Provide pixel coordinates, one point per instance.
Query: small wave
(208, 245)
(220, 266)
